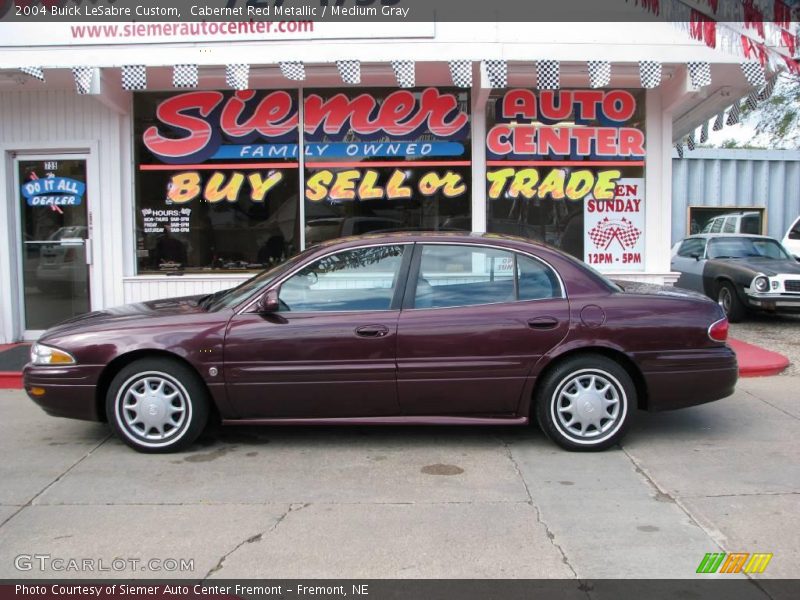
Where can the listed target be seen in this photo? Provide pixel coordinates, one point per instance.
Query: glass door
(54, 235)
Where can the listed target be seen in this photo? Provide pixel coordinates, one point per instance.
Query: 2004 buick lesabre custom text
(423, 328)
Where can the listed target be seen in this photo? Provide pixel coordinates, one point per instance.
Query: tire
(729, 301)
(579, 429)
(177, 405)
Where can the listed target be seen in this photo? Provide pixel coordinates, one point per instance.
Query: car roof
(729, 235)
(406, 236)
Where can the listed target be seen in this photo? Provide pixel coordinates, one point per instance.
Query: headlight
(761, 284)
(47, 355)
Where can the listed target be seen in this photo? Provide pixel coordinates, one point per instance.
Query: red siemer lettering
(400, 113)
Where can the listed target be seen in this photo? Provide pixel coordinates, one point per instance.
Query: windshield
(233, 296)
(744, 247)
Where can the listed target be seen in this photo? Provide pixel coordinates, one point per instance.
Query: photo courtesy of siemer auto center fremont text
(399, 299)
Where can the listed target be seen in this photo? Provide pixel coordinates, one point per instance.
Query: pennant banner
(754, 73)
(35, 72)
(599, 73)
(461, 73)
(237, 76)
(83, 79)
(294, 70)
(704, 132)
(185, 76)
(349, 71)
(650, 73)
(548, 76)
(404, 73)
(719, 122)
(734, 114)
(497, 73)
(699, 74)
(134, 77)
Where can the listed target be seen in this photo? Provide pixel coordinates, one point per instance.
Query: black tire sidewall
(196, 392)
(737, 311)
(552, 381)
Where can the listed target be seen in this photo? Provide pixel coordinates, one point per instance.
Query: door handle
(543, 323)
(372, 331)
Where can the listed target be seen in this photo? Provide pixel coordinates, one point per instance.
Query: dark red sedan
(427, 328)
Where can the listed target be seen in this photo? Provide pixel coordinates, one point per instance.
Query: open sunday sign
(54, 191)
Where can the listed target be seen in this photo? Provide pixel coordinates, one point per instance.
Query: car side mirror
(695, 256)
(269, 302)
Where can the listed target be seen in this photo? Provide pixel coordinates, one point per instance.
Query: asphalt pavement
(406, 502)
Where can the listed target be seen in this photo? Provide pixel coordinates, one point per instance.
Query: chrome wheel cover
(153, 409)
(589, 406)
(724, 300)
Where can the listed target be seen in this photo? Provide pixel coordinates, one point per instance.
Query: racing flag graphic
(607, 230)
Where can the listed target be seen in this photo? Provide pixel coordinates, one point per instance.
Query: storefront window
(217, 180)
(566, 167)
(378, 160)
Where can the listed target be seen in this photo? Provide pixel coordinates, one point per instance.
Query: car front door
(329, 351)
(689, 261)
(475, 320)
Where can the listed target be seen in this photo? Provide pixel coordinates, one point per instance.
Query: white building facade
(125, 195)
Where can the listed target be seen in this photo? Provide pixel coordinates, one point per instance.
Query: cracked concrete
(412, 502)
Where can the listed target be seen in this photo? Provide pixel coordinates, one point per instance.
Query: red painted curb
(755, 361)
(10, 380)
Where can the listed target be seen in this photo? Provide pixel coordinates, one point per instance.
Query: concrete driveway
(407, 502)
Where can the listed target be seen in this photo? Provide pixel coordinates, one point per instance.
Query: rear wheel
(728, 300)
(157, 405)
(584, 403)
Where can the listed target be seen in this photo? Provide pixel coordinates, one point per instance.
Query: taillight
(719, 330)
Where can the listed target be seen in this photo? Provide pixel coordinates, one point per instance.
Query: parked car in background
(740, 222)
(402, 328)
(791, 241)
(741, 272)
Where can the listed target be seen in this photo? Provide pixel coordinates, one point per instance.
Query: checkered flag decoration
(35, 72)
(699, 74)
(679, 149)
(734, 114)
(754, 73)
(766, 93)
(404, 73)
(548, 75)
(497, 73)
(461, 73)
(719, 122)
(704, 132)
(83, 79)
(237, 76)
(184, 76)
(294, 70)
(752, 100)
(690, 141)
(606, 230)
(134, 77)
(350, 71)
(650, 73)
(599, 73)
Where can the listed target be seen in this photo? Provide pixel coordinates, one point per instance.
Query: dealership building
(143, 161)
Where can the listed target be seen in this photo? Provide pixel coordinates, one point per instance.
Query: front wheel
(157, 405)
(729, 302)
(583, 404)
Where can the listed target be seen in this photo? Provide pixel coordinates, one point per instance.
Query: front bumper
(68, 391)
(774, 302)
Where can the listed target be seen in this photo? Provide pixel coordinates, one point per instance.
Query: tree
(777, 119)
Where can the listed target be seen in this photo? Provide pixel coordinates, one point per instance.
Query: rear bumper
(688, 378)
(69, 391)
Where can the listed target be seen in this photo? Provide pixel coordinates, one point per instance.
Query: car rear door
(475, 320)
(330, 350)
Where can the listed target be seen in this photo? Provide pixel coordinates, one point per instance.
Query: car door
(689, 261)
(330, 349)
(475, 320)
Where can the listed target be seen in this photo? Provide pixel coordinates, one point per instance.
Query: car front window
(746, 248)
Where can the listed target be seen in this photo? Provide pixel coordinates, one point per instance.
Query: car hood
(638, 287)
(128, 312)
(768, 266)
